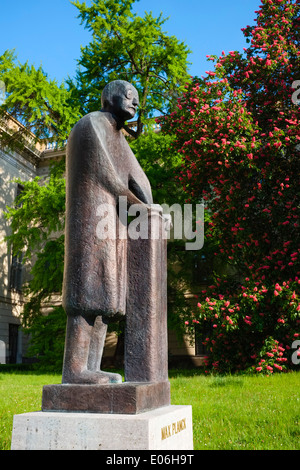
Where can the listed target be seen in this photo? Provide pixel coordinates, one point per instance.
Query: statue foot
(112, 377)
(92, 378)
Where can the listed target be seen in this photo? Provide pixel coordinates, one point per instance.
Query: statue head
(121, 99)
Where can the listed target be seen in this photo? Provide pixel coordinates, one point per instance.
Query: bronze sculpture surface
(107, 278)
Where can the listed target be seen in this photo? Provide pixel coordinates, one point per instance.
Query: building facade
(32, 160)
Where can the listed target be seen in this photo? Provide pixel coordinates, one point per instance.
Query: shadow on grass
(25, 369)
(213, 381)
(187, 372)
(224, 381)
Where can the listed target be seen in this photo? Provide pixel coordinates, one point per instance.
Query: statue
(106, 279)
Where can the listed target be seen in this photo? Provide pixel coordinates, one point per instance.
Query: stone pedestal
(167, 428)
(124, 398)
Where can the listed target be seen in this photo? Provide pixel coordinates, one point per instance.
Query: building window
(16, 270)
(12, 343)
(200, 335)
(202, 269)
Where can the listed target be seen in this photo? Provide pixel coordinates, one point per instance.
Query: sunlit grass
(241, 412)
(20, 392)
(231, 412)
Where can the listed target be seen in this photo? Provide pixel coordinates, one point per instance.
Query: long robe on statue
(100, 168)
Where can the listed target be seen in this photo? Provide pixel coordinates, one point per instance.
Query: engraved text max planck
(174, 428)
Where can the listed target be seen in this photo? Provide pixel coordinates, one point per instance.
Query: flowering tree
(238, 130)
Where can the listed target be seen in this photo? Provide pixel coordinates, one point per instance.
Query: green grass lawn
(231, 412)
(241, 412)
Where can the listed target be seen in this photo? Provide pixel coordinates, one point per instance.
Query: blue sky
(48, 32)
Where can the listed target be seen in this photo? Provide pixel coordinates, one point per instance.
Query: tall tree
(36, 101)
(133, 48)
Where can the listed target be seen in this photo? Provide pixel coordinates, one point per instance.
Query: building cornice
(19, 161)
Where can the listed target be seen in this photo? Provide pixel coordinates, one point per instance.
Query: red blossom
(237, 131)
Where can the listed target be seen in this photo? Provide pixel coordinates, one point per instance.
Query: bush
(237, 130)
(252, 330)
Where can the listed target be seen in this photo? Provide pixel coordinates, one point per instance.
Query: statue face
(121, 99)
(125, 103)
